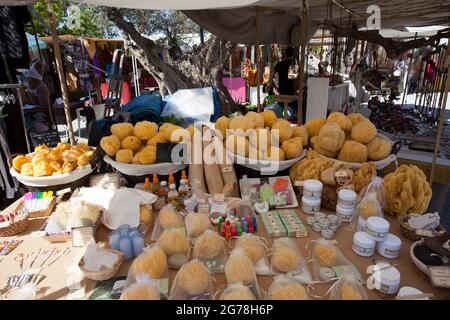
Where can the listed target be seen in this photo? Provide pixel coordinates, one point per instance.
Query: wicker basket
(409, 233)
(103, 274)
(14, 228)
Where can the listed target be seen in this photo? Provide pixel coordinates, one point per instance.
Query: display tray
(51, 181)
(266, 167)
(162, 169)
(381, 164)
(290, 190)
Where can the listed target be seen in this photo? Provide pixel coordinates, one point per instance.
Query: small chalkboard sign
(50, 138)
(164, 152)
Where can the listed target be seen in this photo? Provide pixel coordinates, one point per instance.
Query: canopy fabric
(235, 20)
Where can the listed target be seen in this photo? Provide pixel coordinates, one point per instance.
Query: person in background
(37, 90)
(285, 85)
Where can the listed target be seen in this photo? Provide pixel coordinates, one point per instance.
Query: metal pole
(304, 29)
(258, 62)
(408, 73)
(59, 67)
(441, 119)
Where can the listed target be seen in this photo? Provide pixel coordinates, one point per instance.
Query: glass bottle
(125, 247)
(183, 190)
(172, 196)
(155, 184)
(162, 195)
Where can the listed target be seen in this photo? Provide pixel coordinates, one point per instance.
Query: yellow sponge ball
(301, 132)
(138, 291)
(110, 145)
(122, 130)
(314, 125)
(341, 120)
(209, 245)
(193, 278)
(173, 241)
(152, 261)
(274, 154)
(284, 259)
(378, 149)
(160, 137)
(269, 118)
(353, 151)
(124, 156)
(284, 129)
(131, 142)
(147, 155)
(364, 131)
(144, 130)
(331, 137)
(239, 269)
(256, 118)
(289, 291)
(356, 117)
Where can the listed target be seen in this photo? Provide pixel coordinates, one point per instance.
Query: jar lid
(390, 274)
(378, 224)
(347, 195)
(311, 202)
(362, 239)
(344, 210)
(313, 185)
(319, 215)
(391, 240)
(327, 234)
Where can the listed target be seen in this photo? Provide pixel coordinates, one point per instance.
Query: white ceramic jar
(312, 189)
(390, 246)
(310, 206)
(347, 198)
(363, 245)
(345, 214)
(377, 228)
(385, 279)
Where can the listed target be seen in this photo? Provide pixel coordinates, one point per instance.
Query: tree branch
(393, 48)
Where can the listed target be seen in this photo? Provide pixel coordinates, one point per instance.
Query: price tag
(82, 236)
(440, 276)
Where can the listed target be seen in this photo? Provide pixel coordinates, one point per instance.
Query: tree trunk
(200, 68)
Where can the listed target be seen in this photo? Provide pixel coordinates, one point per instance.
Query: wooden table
(57, 275)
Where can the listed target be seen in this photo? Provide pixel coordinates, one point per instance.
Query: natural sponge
(321, 151)
(193, 278)
(348, 292)
(314, 125)
(170, 218)
(222, 125)
(240, 122)
(237, 144)
(356, 117)
(18, 161)
(140, 291)
(252, 246)
(110, 144)
(289, 291)
(353, 151)
(152, 261)
(196, 223)
(406, 191)
(284, 129)
(237, 292)
(147, 155)
(160, 137)
(331, 137)
(274, 154)
(363, 176)
(239, 268)
(269, 118)
(326, 255)
(341, 120)
(173, 241)
(301, 132)
(209, 245)
(378, 149)
(144, 130)
(292, 148)
(122, 130)
(131, 142)
(124, 156)
(284, 258)
(256, 118)
(364, 131)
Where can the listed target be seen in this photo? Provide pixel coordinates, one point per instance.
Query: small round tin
(317, 227)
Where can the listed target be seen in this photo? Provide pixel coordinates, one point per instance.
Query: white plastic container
(310, 221)
(347, 198)
(310, 206)
(390, 246)
(385, 280)
(361, 224)
(377, 228)
(334, 220)
(363, 245)
(345, 214)
(327, 234)
(319, 215)
(312, 189)
(324, 223)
